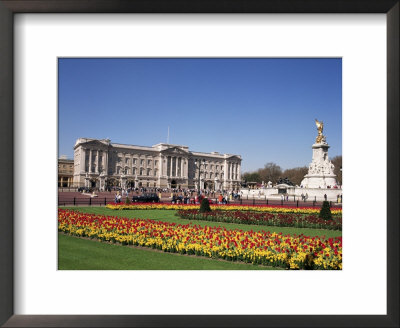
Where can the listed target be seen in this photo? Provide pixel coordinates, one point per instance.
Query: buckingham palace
(98, 163)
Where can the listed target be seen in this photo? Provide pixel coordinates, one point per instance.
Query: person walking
(220, 199)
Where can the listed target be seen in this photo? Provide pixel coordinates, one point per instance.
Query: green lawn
(82, 254)
(169, 216)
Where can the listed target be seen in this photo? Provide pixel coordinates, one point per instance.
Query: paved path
(77, 198)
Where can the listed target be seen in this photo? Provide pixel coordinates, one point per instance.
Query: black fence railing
(102, 201)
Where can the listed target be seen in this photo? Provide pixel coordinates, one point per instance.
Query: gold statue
(320, 127)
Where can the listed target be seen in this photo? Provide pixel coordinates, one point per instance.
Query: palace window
(134, 161)
(148, 171)
(148, 162)
(141, 171)
(155, 163)
(142, 162)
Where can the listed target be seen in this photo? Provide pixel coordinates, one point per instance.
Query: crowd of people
(192, 196)
(181, 196)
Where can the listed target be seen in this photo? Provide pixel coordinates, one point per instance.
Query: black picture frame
(10, 7)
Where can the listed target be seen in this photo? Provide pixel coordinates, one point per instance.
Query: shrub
(127, 201)
(205, 205)
(325, 212)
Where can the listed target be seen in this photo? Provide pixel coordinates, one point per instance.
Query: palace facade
(65, 172)
(101, 164)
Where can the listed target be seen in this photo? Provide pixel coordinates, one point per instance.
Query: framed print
(46, 42)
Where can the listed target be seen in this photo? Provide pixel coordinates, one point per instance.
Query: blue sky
(262, 109)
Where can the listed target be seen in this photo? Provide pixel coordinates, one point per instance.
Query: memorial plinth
(320, 171)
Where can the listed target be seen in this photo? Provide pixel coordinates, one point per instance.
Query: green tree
(337, 162)
(271, 172)
(205, 205)
(251, 177)
(325, 212)
(295, 175)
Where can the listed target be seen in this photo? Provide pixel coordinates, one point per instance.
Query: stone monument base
(273, 193)
(317, 181)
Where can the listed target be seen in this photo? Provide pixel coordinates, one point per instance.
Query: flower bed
(292, 252)
(254, 208)
(263, 218)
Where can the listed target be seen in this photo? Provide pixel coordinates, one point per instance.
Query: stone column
(176, 166)
(132, 165)
(225, 173)
(182, 167)
(160, 170)
(90, 161)
(82, 160)
(170, 168)
(106, 163)
(97, 162)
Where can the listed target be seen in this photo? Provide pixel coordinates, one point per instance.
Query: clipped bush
(205, 205)
(127, 201)
(325, 212)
